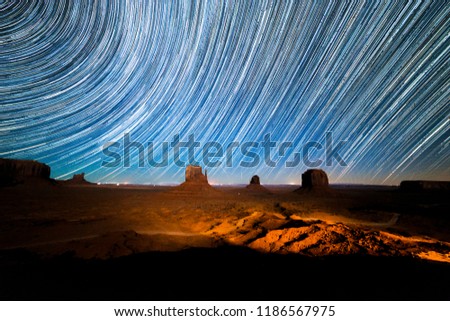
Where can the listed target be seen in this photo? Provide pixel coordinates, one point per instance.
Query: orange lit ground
(56, 241)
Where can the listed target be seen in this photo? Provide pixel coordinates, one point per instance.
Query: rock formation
(255, 185)
(14, 171)
(195, 182)
(418, 186)
(194, 175)
(315, 180)
(77, 179)
(255, 180)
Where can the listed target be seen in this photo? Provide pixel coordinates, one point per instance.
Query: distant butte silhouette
(15, 171)
(255, 185)
(418, 186)
(314, 180)
(77, 179)
(255, 180)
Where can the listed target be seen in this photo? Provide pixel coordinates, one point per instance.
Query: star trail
(75, 75)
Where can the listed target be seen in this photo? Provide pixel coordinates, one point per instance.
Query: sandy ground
(104, 223)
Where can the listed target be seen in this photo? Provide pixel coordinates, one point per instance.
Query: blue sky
(76, 75)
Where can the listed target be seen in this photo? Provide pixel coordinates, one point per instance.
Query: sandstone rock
(14, 171)
(78, 178)
(313, 178)
(315, 182)
(195, 182)
(255, 180)
(194, 175)
(255, 185)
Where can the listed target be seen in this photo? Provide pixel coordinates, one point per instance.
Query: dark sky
(78, 75)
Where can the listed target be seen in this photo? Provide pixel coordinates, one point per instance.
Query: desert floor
(162, 243)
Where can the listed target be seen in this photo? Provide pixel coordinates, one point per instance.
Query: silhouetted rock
(14, 171)
(77, 179)
(255, 180)
(315, 181)
(417, 186)
(255, 185)
(313, 178)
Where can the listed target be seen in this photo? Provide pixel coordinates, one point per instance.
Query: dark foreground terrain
(225, 273)
(160, 243)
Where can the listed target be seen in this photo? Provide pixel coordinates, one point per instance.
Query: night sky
(75, 75)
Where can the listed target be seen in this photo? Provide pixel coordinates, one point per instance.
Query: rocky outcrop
(194, 175)
(255, 180)
(418, 186)
(255, 185)
(195, 182)
(314, 178)
(315, 181)
(14, 171)
(77, 179)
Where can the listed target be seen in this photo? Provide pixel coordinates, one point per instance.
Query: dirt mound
(194, 188)
(257, 189)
